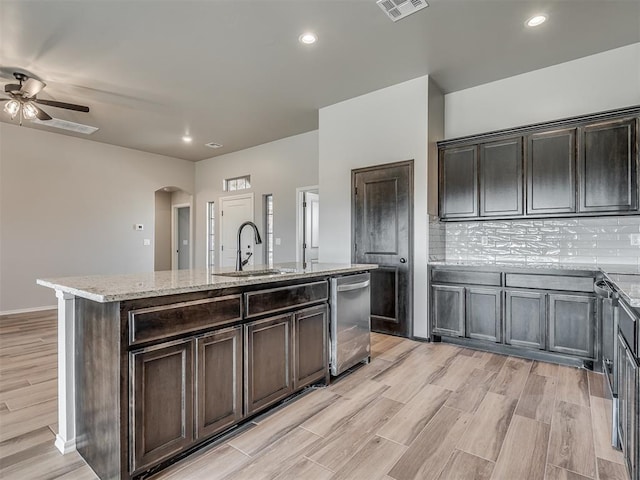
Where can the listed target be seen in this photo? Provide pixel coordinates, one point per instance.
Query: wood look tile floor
(417, 411)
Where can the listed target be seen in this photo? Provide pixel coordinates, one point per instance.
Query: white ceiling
(233, 71)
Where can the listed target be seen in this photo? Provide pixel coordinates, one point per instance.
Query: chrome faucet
(239, 262)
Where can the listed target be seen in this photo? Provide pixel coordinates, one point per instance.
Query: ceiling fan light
(12, 107)
(29, 111)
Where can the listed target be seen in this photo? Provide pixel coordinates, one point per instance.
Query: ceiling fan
(23, 97)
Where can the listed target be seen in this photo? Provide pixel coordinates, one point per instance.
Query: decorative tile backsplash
(594, 240)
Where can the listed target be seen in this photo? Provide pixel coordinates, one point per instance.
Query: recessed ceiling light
(536, 20)
(187, 139)
(308, 38)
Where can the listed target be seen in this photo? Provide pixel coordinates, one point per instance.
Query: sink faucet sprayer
(239, 262)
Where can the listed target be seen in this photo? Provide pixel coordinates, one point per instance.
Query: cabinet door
(311, 362)
(219, 381)
(551, 179)
(268, 362)
(608, 167)
(161, 420)
(572, 324)
(448, 310)
(459, 182)
(501, 178)
(525, 319)
(621, 374)
(631, 416)
(484, 313)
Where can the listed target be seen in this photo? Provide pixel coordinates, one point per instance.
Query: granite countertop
(625, 277)
(114, 288)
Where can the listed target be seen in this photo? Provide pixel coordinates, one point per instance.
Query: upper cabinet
(608, 167)
(581, 166)
(551, 172)
(459, 182)
(501, 178)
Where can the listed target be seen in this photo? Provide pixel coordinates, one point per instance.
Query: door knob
(403, 260)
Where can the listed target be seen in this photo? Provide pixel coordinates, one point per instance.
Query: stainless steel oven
(608, 307)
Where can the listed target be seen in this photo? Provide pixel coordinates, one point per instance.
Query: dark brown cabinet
(525, 319)
(310, 344)
(608, 166)
(161, 422)
(501, 178)
(628, 406)
(571, 329)
(459, 182)
(579, 166)
(268, 362)
(551, 167)
(219, 381)
(448, 310)
(484, 313)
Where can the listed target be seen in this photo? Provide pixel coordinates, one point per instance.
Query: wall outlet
(635, 239)
(278, 241)
(138, 226)
(485, 240)
(146, 242)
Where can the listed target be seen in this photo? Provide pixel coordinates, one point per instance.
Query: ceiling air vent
(398, 9)
(213, 145)
(66, 125)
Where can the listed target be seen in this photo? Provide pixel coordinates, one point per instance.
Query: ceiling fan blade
(31, 87)
(68, 106)
(42, 115)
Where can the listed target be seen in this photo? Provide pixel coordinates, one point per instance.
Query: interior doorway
(172, 228)
(308, 224)
(182, 237)
(234, 211)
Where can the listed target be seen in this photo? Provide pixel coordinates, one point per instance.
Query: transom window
(237, 183)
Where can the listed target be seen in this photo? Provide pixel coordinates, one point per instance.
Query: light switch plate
(635, 239)
(138, 226)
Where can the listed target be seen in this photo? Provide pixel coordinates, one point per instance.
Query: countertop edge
(223, 282)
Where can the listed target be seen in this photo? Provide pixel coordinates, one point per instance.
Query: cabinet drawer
(472, 278)
(550, 282)
(156, 323)
(278, 299)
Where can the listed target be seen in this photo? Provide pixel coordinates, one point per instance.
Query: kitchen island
(154, 365)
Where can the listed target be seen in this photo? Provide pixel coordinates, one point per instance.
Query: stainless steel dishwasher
(350, 321)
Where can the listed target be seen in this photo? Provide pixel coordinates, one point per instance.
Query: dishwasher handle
(353, 286)
(604, 289)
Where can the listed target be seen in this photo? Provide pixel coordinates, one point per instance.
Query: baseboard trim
(27, 310)
(65, 446)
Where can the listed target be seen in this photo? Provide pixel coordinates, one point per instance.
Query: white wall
(600, 82)
(278, 168)
(384, 126)
(68, 207)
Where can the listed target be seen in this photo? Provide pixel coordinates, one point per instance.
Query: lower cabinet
(186, 390)
(525, 319)
(484, 313)
(487, 309)
(161, 422)
(310, 346)
(448, 310)
(628, 385)
(571, 325)
(219, 381)
(268, 362)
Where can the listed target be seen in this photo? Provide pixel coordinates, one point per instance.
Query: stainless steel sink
(251, 273)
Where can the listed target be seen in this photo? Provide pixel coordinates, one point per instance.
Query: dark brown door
(382, 231)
